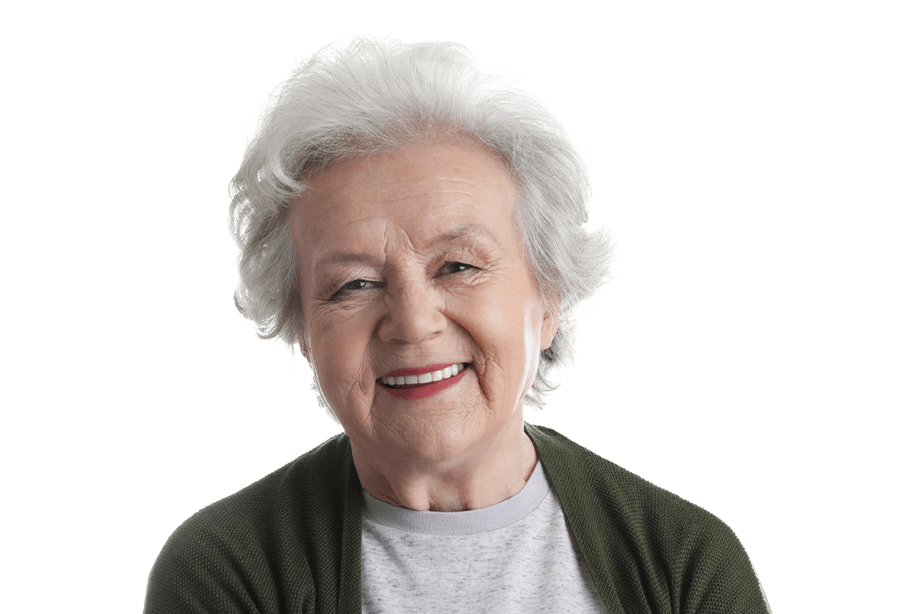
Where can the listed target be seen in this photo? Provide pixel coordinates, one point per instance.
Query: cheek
(529, 342)
(339, 350)
(506, 327)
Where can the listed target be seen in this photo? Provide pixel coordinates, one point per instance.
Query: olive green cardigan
(290, 543)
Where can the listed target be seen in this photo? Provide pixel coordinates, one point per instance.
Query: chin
(441, 441)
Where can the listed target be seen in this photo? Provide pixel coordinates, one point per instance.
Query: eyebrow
(468, 233)
(351, 258)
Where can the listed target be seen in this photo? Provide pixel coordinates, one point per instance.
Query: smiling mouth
(406, 381)
(422, 385)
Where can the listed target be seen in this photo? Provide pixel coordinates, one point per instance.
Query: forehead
(418, 193)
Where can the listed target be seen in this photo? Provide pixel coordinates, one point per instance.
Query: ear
(550, 323)
(303, 343)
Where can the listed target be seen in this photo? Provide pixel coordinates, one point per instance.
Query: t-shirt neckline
(469, 522)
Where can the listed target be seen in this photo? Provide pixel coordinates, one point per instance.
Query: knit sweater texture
(291, 542)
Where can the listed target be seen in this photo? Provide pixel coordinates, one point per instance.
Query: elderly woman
(416, 228)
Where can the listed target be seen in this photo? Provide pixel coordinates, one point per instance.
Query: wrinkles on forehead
(405, 207)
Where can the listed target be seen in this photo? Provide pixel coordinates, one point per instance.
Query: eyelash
(341, 292)
(455, 264)
(346, 287)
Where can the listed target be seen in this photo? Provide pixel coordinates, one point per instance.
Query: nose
(413, 313)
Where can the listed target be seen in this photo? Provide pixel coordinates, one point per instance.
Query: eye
(455, 267)
(356, 285)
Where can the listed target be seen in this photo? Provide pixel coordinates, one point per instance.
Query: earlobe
(303, 343)
(550, 323)
(548, 329)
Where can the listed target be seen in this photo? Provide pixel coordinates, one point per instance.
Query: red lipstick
(421, 391)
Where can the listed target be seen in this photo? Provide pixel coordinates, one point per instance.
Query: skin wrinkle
(464, 448)
(391, 182)
(479, 257)
(446, 192)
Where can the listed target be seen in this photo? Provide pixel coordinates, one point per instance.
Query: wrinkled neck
(477, 479)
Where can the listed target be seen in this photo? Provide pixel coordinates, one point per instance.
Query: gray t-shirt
(517, 556)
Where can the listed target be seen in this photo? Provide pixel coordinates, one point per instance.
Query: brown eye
(456, 267)
(357, 285)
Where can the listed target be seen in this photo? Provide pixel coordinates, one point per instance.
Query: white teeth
(425, 378)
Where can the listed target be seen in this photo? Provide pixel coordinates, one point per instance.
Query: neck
(473, 479)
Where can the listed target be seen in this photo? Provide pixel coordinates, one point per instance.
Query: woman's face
(411, 262)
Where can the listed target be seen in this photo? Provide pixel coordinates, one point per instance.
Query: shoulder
(619, 490)
(304, 487)
(644, 537)
(240, 549)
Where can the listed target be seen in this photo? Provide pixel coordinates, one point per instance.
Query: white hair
(368, 97)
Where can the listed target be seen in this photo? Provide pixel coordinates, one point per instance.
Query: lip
(419, 370)
(422, 391)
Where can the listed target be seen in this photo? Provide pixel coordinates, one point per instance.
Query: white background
(745, 156)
